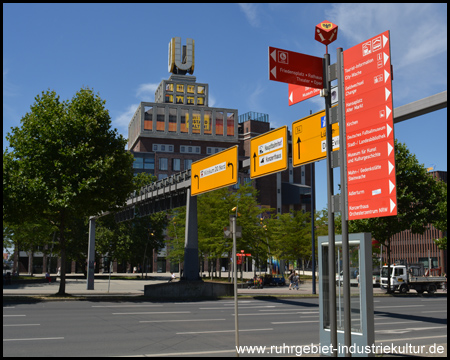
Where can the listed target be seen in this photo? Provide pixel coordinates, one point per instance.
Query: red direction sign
(295, 68)
(299, 93)
(369, 129)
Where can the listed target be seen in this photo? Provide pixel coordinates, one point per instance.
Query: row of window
(179, 99)
(186, 149)
(189, 88)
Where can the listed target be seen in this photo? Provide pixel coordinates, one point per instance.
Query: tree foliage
(65, 162)
(418, 199)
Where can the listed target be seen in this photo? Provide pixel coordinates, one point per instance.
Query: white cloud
(123, 119)
(146, 92)
(250, 10)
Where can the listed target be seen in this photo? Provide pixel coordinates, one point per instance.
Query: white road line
(34, 339)
(412, 338)
(435, 311)
(23, 325)
(220, 331)
(184, 353)
(121, 306)
(413, 329)
(294, 322)
(12, 315)
(154, 313)
(298, 312)
(239, 307)
(399, 322)
(263, 314)
(164, 321)
(399, 306)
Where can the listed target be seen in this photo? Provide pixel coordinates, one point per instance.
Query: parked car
(276, 280)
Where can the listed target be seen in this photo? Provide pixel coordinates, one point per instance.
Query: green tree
(131, 241)
(66, 161)
(417, 197)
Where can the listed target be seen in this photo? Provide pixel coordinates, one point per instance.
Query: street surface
(200, 328)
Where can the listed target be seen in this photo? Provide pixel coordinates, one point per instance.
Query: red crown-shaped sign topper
(326, 32)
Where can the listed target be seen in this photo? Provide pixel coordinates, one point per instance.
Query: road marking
(164, 321)
(294, 322)
(34, 339)
(154, 313)
(240, 307)
(261, 314)
(405, 330)
(23, 325)
(184, 353)
(12, 315)
(220, 331)
(121, 306)
(412, 338)
(400, 306)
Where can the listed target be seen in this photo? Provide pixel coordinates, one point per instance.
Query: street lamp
(233, 229)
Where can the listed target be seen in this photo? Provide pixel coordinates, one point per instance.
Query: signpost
(295, 68)
(214, 172)
(309, 139)
(268, 153)
(299, 93)
(369, 129)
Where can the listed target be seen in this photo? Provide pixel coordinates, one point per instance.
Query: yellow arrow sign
(214, 172)
(268, 153)
(309, 139)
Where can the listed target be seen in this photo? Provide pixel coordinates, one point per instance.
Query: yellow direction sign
(309, 139)
(214, 172)
(268, 153)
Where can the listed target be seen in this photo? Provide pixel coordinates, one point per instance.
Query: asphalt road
(203, 328)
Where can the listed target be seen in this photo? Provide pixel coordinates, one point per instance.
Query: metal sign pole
(344, 215)
(331, 238)
(234, 257)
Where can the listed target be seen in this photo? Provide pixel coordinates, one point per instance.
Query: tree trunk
(62, 242)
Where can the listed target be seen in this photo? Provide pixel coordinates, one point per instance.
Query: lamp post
(236, 324)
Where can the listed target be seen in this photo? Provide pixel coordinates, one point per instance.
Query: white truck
(406, 277)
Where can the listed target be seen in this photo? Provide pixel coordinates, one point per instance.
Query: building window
(172, 120)
(138, 163)
(200, 90)
(219, 123)
(190, 100)
(148, 117)
(180, 99)
(207, 125)
(149, 163)
(187, 164)
(200, 100)
(176, 165)
(162, 176)
(180, 88)
(155, 147)
(160, 123)
(230, 124)
(163, 164)
(169, 87)
(190, 89)
(182, 149)
(183, 123)
(196, 121)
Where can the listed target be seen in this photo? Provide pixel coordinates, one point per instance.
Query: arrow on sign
(198, 181)
(254, 161)
(274, 72)
(392, 205)
(391, 186)
(232, 168)
(298, 143)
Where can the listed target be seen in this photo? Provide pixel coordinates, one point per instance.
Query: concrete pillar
(191, 270)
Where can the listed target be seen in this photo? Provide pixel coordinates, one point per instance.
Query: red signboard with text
(295, 68)
(369, 129)
(299, 93)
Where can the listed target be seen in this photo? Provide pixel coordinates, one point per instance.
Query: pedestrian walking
(295, 281)
(291, 279)
(172, 277)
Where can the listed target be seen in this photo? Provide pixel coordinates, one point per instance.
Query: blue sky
(120, 50)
